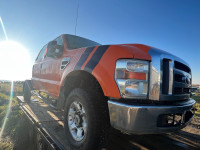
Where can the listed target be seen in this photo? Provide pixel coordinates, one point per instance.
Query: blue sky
(171, 25)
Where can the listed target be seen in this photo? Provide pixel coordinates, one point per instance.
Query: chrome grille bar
(163, 82)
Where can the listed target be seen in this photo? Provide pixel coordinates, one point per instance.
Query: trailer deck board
(57, 132)
(48, 119)
(42, 112)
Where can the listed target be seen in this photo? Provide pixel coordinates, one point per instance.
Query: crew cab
(134, 88)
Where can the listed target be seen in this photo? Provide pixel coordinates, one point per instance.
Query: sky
(172, 25)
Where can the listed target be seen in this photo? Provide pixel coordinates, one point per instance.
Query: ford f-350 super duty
(134, 88)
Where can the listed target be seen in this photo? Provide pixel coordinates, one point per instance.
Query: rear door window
(41, 54)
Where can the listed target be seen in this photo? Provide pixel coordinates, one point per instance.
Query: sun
(14, 61)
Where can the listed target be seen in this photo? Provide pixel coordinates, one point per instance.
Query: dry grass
(13, 119)
(6, 144)
(197, 98)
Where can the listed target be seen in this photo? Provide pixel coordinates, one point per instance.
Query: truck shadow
(173, 141)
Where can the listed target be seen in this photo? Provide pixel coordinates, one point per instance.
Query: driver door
(50, 68)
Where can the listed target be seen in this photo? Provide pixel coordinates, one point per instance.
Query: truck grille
(179, 75)
(181, 66)
(170, 77)
(178, 90)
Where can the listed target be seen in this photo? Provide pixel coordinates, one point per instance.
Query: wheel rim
(77, 122)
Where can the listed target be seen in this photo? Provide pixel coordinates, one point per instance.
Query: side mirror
(54, 50)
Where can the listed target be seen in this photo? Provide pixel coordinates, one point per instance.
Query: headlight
(131, 77)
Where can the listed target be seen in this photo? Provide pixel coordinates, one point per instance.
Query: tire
(27, 91)
(88, 112)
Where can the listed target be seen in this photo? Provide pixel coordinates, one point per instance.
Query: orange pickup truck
(134, 88)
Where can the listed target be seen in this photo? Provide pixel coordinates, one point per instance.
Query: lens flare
(4, 30)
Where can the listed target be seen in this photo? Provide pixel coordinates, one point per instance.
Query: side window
(55, 48)
(41, 54)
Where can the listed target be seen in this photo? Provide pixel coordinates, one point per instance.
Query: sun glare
(14, 61)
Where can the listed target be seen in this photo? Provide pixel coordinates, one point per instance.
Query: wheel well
(79, 79)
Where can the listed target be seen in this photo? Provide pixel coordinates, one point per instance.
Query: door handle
(64, 63)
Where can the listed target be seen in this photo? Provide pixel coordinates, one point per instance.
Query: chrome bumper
(135, 119)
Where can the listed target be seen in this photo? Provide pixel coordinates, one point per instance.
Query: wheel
(85, 120)
(40, 144)
(27, 92)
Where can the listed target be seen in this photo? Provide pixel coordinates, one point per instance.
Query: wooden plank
(41, 111)
(48, 119)
(57, 132)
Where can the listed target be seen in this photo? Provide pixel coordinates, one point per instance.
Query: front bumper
(146, 119)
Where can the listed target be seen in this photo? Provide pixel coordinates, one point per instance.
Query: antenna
(76, 17)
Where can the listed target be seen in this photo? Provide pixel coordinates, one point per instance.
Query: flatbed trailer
(48, 123)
